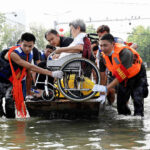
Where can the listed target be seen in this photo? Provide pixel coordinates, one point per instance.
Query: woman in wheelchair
(80, 74)
(78, 30)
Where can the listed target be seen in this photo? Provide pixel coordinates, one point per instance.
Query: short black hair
(108, 37)
(95, 48)
(103, 28)
(28, 37)
(51, 31)
(94, 42)
(50, 47)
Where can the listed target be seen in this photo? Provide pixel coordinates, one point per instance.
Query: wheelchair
(80, 74)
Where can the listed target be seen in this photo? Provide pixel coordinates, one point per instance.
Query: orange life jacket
(17, 87)
(117, 68)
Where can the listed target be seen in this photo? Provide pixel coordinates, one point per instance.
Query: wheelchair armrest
(61, 61)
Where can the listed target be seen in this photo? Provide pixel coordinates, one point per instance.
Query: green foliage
(12, 35)
(141, 36)
(39, 33)
(90, 29)
(67, 34)
(2, 21)
(9, 33)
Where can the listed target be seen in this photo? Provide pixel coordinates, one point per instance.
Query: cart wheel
(50, 95)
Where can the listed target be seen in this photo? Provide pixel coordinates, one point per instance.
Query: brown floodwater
(109, 132)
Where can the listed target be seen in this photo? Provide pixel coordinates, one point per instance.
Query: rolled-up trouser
(3, 89)
(135, 88)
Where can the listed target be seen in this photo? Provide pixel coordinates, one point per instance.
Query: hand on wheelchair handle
(57, 74)
(100, 88)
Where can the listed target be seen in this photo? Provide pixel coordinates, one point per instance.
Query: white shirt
(78, 40)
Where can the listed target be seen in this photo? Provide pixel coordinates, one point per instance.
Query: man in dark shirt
(129, 72)
(56, 40)
(36, 56)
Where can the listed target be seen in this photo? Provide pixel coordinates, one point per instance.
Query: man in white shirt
(78, 30)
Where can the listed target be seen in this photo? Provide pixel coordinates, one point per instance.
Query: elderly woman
(77, 29)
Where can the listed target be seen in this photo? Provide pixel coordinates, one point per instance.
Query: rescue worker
(130, 75)
(15, 66)
(102, 30)
(55, 41)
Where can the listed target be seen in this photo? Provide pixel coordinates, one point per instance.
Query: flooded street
(109, 132)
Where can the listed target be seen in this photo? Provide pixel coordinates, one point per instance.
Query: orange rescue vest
(17, 87)
(117, 68)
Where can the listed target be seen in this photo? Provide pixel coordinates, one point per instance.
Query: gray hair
(78, 23)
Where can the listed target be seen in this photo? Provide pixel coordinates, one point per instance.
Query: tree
(39, 33)
(141, 36)
(90, 29)
(67, 34)
(2, 21)
(9, 33)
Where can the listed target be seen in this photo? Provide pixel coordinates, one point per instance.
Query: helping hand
(57, 74)
(101, 99)
(100, 88)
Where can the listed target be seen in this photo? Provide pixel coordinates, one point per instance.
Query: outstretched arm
(71, 49)
(113, 84)
(15, 58)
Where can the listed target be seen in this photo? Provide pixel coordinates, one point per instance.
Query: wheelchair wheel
(80, 75)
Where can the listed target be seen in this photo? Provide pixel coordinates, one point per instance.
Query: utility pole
(55, 24)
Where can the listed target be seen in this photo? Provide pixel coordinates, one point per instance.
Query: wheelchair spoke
(77, 89)
(80, 75)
